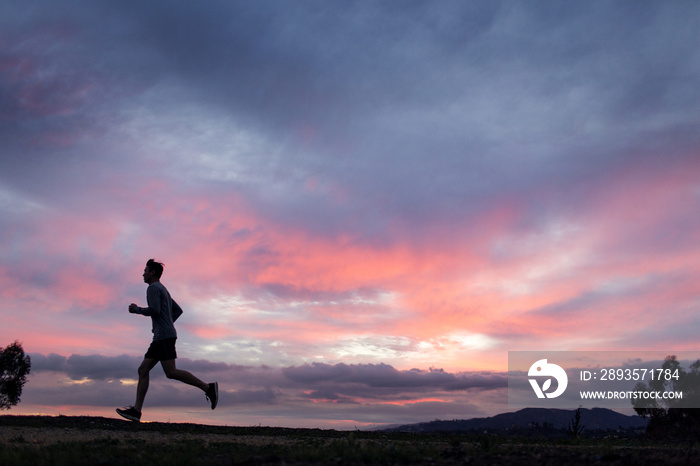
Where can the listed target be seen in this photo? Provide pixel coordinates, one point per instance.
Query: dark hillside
(596, 419)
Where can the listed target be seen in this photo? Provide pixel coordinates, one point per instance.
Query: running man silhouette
(163, 312)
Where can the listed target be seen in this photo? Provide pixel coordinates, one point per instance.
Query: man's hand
(133, 308)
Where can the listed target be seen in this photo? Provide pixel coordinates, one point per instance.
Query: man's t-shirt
(162, 310)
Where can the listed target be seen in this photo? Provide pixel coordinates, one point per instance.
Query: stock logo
(544, 369)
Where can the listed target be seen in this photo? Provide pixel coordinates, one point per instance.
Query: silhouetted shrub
(14, 367)
(672, 417)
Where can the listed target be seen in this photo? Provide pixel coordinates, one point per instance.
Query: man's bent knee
(145, 368)
(169, 369)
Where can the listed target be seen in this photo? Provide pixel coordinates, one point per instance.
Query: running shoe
(213, 394)
(130, 413)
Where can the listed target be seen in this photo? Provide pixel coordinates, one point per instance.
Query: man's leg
(173, 372)
(211, 390)
(142, 387)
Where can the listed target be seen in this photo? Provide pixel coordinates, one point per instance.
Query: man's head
(152, 272)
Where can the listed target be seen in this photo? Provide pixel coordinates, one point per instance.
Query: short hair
(156, 267)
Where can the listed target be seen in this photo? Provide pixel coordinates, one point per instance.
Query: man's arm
(153, 297)
(144, 311)
(177, 310)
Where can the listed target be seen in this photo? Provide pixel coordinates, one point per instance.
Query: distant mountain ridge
(592, 419)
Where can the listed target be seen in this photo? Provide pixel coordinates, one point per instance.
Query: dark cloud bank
(245, 384)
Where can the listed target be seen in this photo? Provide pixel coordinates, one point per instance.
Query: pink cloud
(449, 284)
(496, 275)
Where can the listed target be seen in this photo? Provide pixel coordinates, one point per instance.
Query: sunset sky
(361, 206)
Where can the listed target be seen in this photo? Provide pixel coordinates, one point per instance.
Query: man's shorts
(162, 350)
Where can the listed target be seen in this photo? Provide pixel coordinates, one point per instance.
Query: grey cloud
(326, 395)
(265, 396)
(270, 392)
(97, 393)
(621, 288)
(95, 367)
(265, 403)
(417, 112)
(383, 376)
(263, 384)
(100, 367)
(51, 362)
